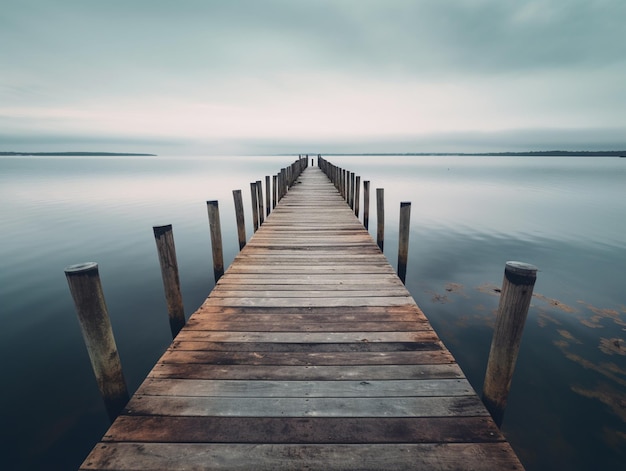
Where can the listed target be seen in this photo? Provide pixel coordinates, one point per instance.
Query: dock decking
(308, 354)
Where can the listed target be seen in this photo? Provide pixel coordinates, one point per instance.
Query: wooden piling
(86, 290)
(216, 239)
(164, 238)
(239, 215)
(351, 193)
(357, 196)
(366, 204)
(267, 195)
(255, 206)
(380, 216)
(259, 189)
(403, 239)
(274, 190)
(517, 290)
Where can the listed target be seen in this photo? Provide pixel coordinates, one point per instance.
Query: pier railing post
(259, 189)
(268, 208)
(380, 216)
(239, 215)
(403, 241)
(255, 206)
(274, 190)
(517, 290)
(366, 204)
(351, 192)
(216, 239)
(357, 196)
(164, 238)
(86, 289)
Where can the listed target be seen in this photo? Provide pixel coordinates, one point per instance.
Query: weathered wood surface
(308, 354)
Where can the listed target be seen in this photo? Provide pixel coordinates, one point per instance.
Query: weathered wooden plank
(308, 372)
(308, 358)
(373, 457)
(303, 430)
(367, 311)
(382, 292)
(307, 407)
(310, 302)
(318, 389)
(429, 344)
(353, 268)
(309, 337)
(207, 314)
(243, 324)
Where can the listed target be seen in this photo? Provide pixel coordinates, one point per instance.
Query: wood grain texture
(308, 354)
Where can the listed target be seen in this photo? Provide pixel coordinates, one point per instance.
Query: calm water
(567, 408)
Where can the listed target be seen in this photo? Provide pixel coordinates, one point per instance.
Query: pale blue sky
(259, 76)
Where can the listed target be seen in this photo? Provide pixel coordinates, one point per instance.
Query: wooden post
(267, 195)
(86, 289)
(380, 215)
(274, 190)
(164, 238)
(366, 204)
(259, 189)
(216, 239)
(403, 241)
(283, 183)
(351, 193)
(517, 290)
(255, 206)
(357, 195)
(239, 215)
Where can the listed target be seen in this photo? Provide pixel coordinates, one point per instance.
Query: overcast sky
(263, 76)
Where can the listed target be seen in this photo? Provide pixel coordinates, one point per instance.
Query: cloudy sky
(263, 76)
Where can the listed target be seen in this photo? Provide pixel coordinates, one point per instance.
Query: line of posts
(516, 293)
(86, 289)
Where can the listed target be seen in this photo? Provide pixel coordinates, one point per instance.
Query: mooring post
(216, 239)
(403, 241)
(357, 196)
(366, 204)
(86, 290)
(380, 216)
(283, 183)
(259, 189)
(274, 190)
(255, 206)
(517, 290)
(352, 191)
(239, 215)
(267, 195)
(164, 238)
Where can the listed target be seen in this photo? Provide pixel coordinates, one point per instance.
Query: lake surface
(566, 215)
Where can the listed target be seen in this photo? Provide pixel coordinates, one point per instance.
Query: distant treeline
(76, 154)
(540, 153)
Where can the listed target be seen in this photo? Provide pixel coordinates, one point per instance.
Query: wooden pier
(308, 354)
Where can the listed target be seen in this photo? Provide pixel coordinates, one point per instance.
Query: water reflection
(469, 215)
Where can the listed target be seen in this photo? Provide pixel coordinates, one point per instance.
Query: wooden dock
(308, 354)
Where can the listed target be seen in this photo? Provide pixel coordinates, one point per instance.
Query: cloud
(325, 70)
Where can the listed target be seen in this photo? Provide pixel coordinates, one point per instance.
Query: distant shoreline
(547, 153)
(75, 154)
